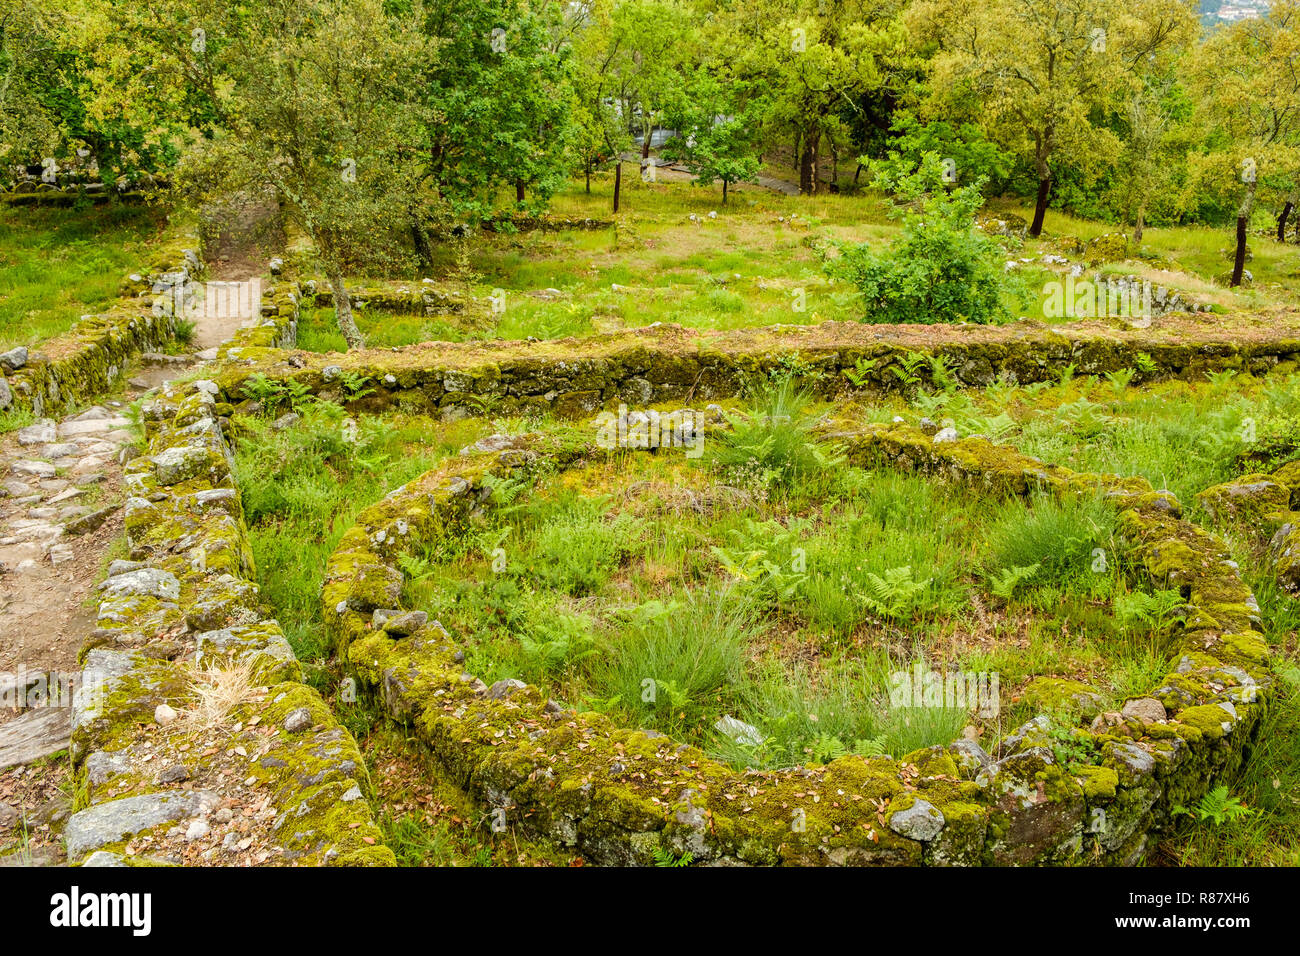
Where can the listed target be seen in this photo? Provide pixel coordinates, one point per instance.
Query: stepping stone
(53, 484)
(97, 426)
(122, 819)
(67, 494)
(36, 531)
(16, 488)
(60, 450)
(65, 463)
(97, 413)
(42, 433)
(36, 734)
(91, 521)
(36, 469)
(91, 463)
(89, 479)
(59, 553)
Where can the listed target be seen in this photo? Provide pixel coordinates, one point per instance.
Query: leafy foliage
(940, 268)
(1216, 807)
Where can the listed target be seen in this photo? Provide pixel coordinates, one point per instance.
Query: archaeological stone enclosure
(185, 598)
(448, 436)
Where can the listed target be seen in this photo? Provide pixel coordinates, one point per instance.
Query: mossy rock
(1003, 224)
(1111, 247)
(1289, 475)
(1056, 694)
(1246, 500)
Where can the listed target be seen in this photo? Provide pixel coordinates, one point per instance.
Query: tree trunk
(808, 164)
(724, 192)
(1141, 223)
(519, 190)
(1040, 205)
(1243, 223)
(1281, 221)
(588, 180)
(618, 182)
(856, 173)
(420, 239)
(343, 311)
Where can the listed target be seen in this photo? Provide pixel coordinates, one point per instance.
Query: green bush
(579, 548)
(940, 268)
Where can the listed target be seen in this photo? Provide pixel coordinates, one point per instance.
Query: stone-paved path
(60, 516)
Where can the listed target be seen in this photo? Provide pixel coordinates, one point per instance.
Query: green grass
(318, 330)
(668, 593)
(790, 600)
(1181, 436)
(303, 487)
(743, 266)
(59, 264)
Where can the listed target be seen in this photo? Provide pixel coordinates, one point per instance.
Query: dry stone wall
(619, 794)
(659, 364)
(71, 369)
(197, 740)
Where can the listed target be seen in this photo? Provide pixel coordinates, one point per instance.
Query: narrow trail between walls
(61, 498)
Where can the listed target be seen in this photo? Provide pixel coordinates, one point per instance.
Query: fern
(941, 373)
(502, 492)
(354, 384)
(895, 595)
(1000, 391)
(415, 567)
(1120, 380)
(826, 748)
(667, 858)
(907, 369)
(1151, 610)
(860, 374)
(1003, 584)
(871, 746)
(1216, 807)
(994, 427)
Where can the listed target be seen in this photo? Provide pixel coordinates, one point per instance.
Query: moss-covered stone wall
(667, 363)
(88, 360)
(619, 794)
(184, 603)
